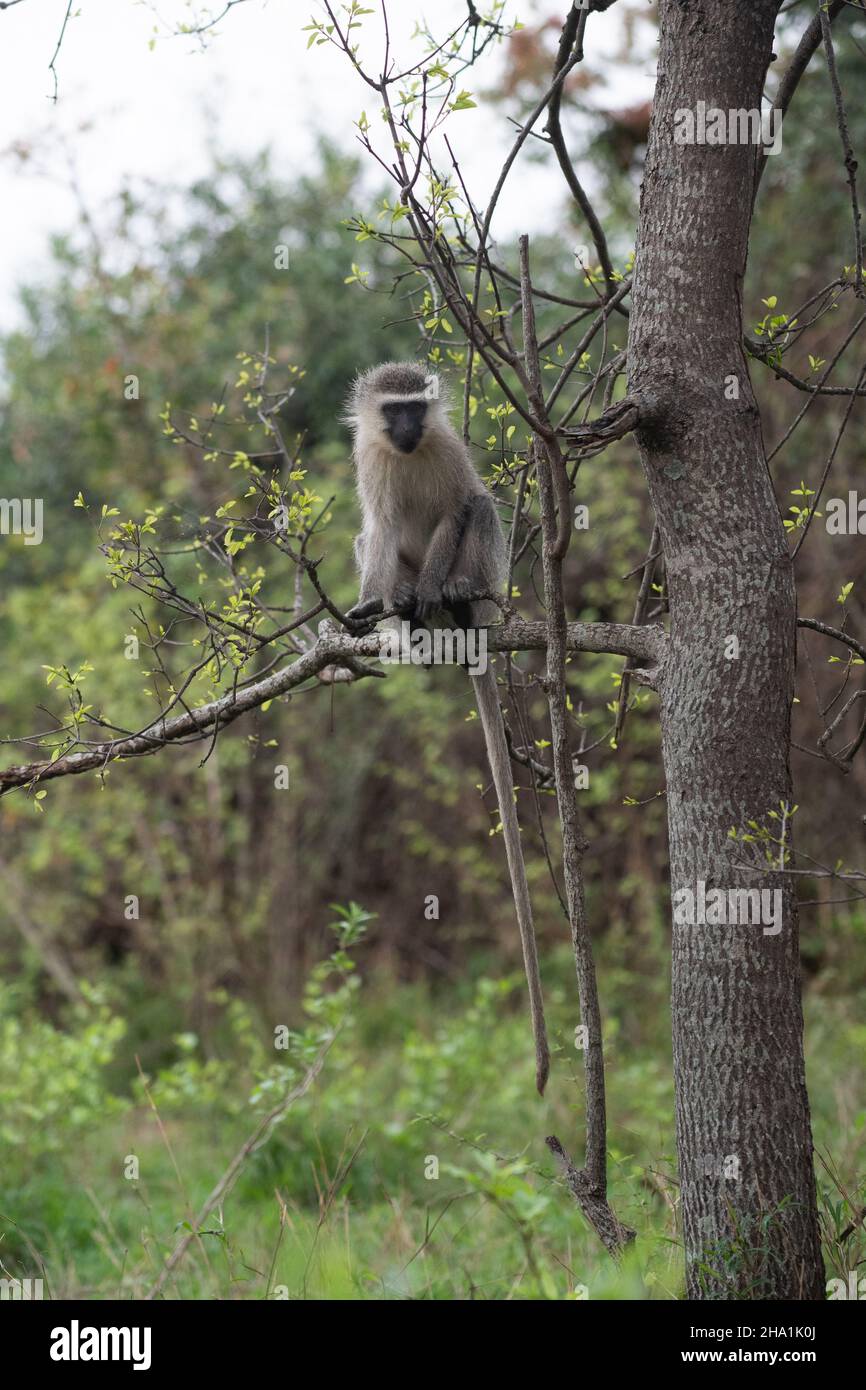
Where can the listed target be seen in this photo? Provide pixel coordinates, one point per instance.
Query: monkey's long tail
(487, 699)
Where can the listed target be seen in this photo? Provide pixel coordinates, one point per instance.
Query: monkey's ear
(349, 413)
(362, 388)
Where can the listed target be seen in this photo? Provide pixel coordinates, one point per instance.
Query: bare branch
(331, 649)
(847, 150)
(616, 422)
(762, 352)
(553, 493)
(834, 632)
(803, 55)
(829, 464)
(640, 609)
(571, 41)
(594, 1204)
(52, 68)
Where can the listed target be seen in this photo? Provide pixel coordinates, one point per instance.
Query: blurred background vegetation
(386, 806)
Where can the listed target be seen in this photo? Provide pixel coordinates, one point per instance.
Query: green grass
(337, 1203)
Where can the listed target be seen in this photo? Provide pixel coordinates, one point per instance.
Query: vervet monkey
(431, 538)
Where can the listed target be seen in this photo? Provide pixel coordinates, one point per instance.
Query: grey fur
(389, 378)
(431, 537)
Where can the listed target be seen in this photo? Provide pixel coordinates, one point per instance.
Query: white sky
(127, 112)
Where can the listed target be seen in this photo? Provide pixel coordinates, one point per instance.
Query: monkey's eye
(395, 411)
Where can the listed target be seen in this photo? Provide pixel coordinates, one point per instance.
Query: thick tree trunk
(743, 1130)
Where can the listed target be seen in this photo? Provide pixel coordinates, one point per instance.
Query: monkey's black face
(404, 423)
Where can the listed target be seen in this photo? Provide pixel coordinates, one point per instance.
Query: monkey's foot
(403, 599)
(362, 618)
(426, 604)
(362, 611)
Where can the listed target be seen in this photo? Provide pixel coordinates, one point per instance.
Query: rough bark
(737, 1017)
